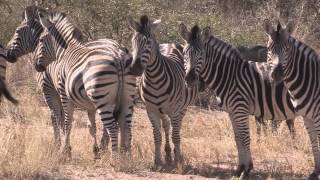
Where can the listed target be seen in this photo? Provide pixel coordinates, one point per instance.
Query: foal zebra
(298, 66)
(242, 89)
(258, 54)
(162, 86)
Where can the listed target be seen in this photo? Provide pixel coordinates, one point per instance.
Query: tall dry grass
(27, 151)
(208, 145)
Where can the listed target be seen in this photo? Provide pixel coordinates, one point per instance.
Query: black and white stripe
(258, 54)
(162, 87)
(91, 106)
(239, 84)
(93, 79)
(298, 66)
(25, 40)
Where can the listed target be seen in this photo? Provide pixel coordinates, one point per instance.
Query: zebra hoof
(66, 154)
(158, 166)
(168, 157)
(168, 160)
(180, 167)
(246, 172)
(96, 152)
(239, 170)
(314, 176)
(243, 171)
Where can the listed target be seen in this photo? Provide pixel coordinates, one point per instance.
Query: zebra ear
(26, 17)
(183, 31)
(206, 33)
(133, 25)
(290, 27)
(268, 27)
(45, 22)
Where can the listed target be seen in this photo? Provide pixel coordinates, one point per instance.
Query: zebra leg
(68, 114)
(176, 127)
(125, 122)
(104, 140)
(93, 133)
(166, 128)
(56, 118)
(109, 123)
(311, 127)
(240, 124)
(156, 125)
(52, 100)
(290, 124)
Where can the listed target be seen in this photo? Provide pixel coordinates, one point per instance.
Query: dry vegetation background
(26, 138)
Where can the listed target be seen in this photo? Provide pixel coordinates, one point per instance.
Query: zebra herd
(100, 76)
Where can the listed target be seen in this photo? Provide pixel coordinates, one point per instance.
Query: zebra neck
(36, 31)
(155, 64)
(219, 67)
(300, 70)
(62, 54)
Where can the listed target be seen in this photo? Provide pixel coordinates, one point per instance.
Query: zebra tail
(7, 94)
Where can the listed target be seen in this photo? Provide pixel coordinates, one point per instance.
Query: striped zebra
(258, 54)
(162, 87)
(25, 40)
(3, 67)
(298, 65)
(90, 83)
(239, 84)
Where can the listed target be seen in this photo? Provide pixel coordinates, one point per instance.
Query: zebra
(88, 95)
(162, 87)
(25, 40)
(297, 65)
(258, 54)
(3, 67)
(239, 84)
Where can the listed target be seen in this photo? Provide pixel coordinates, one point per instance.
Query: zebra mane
(32, 12)
(233, 50)
(312, 52)
(61, 24)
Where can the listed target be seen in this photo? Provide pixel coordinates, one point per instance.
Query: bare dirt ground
(208, 146)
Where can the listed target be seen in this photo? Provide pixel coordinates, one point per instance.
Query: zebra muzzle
(11, 57)
(191, 78)
(277, 73)
(136, 68)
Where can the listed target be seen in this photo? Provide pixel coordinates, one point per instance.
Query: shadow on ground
(226, 171)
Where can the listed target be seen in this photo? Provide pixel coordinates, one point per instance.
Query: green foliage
(237, 22)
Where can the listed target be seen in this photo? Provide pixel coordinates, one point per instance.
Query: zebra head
(26, 35)
(278, 48)
(143, 43)
(44, 53)
(46, 50)
(193, 51)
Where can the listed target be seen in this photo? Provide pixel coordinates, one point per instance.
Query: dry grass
(209, 149)
(27, 151)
